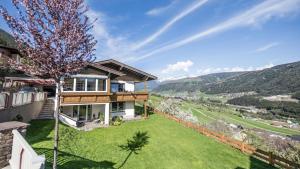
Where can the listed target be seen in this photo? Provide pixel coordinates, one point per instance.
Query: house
(21, 95)
(102, 91)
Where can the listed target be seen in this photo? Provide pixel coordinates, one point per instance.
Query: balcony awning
(34, 81)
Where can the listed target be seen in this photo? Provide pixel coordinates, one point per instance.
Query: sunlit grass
(170, 146)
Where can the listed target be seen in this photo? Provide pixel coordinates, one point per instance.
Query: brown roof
(130, 68)
(109, 70)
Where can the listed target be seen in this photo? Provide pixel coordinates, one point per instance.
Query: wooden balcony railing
(129, 96)
(101, 97)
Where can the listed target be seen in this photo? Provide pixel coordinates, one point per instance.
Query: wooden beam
(145, 109)
(145, 86)
(108, 85)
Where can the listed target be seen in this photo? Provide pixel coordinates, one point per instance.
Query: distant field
(206, 115)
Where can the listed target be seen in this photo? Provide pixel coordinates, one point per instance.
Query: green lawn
(170, 146)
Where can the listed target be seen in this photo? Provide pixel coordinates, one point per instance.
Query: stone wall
(6, 139)
(28, 112)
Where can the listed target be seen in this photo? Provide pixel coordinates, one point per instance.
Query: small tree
(53, 38)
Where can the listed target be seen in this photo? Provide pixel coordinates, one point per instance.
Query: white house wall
(129, 86)
(129, 110)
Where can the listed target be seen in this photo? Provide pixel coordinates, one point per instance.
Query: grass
(206, 115)
(170, 146)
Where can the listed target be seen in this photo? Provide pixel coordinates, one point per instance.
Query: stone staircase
(47, 110)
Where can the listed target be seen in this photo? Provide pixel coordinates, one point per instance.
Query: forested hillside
(196, 83)
(279, 79)
(6, 39)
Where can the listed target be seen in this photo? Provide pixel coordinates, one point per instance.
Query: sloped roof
(111, 62)
(109, 70)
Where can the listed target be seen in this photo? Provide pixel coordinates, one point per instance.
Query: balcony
(102, 97)
(129, 96)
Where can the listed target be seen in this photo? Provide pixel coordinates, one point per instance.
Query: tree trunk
(56, 114)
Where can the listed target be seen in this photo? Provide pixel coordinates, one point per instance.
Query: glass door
(82, 112)
(89, 112)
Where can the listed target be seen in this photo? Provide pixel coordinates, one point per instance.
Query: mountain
(279, 79)
(6, 39)
(151, 85)
(195, 83)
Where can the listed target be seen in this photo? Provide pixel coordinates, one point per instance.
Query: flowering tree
(53, 38)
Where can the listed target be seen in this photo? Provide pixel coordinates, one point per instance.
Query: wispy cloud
(267, 47)
(232, 69)
(169, 24)
(178, 66)
(252, 17)
(161, 10)
(173, 75)
(108, 46)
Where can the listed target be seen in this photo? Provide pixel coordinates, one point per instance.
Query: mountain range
(280, 79)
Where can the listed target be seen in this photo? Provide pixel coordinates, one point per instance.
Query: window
(84, 84)
(68, 84)
(117, 87)
(75, 111)
(101, 85)
(91, 84)
(117, 106)
(121, 106)
(80, 84)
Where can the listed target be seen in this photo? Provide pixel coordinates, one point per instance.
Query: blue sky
(180, 38)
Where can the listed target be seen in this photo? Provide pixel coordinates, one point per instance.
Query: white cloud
(232, 69)
(108, 46)
(172, 73)
(169, 24)
(252, 17)
(178, 66)
(267, 47)
(160, 10)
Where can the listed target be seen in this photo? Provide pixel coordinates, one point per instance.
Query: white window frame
(97, 77)
(118, 107)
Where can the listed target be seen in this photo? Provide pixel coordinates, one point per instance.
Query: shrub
(18, 118)
(171, 106)
(101, 116)
(296, 95)
(117, 120)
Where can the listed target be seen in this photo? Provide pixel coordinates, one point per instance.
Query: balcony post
(108, 85)
(106, 114)
(145, 109)
(145, 86)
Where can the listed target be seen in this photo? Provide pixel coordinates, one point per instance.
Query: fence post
(271, 160)
(243, 147)
(222, 138)
(33, 97)
(7, 99)
(10, 99)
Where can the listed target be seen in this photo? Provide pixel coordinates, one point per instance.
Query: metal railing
(21, 98)
(18, 99)
(3, 100)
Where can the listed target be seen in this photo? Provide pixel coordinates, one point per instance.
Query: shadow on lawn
(138, 141)
(39, 131)
(257, 164)
(70, 161)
